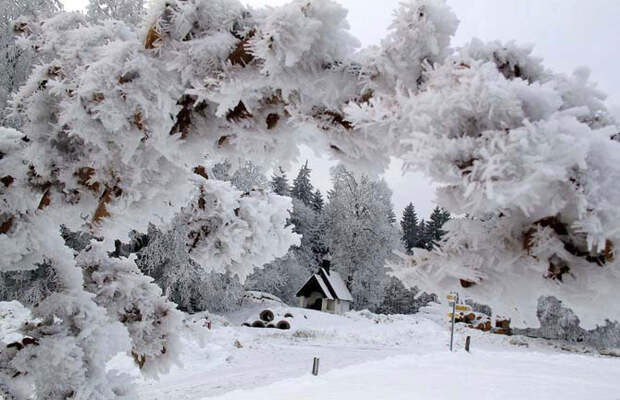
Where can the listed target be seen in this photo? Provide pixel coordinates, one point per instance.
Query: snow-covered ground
(367, 356)
(441, 375)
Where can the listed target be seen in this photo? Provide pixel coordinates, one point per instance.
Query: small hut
(325, 291)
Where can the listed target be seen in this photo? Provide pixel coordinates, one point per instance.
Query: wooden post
(209, 325)
(467, 343)
(456, 298)
(315, 366)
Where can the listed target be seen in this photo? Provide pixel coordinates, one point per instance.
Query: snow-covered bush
(397, 299)
(558, 322)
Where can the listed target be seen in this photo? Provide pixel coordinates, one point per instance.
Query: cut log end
(283, 325)
(267, 315)
(258, 324)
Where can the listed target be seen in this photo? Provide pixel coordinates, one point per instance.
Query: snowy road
(253, 368)
(502, 375)
(365, 356)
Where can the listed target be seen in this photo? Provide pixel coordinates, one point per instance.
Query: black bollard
(467, 343)
(315, 366)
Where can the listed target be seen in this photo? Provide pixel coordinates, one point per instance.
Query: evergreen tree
(423, 235)
(410, 228)
(279, 183)
(306, 222)
(434, 232)
(317, 201)
(302, 188)
(318, 238)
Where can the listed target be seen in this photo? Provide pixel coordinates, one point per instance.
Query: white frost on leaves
(119, 124)
(223, 225)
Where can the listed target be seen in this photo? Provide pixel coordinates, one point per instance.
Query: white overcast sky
(566, 33)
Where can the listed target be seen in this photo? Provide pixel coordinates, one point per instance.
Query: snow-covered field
(367, 356)
(441, 375)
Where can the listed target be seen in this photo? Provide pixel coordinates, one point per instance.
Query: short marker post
(315, 366)
(467, 343)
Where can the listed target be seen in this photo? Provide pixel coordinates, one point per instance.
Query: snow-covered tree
(17, 59)
(409, 227)
(28, 287)
(308, 224)
(80, 163)
(129, 11)
(434, 228)
(527, 154)
(282, 277)
(424, 235)
(317, 201)
(360, 235)
(165, 257)
(302, 188)
(279, 183)
(397, 299)
(248, 177)
(121, 130)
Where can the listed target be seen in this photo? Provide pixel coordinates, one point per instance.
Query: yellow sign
(450, 297)
(463, 307)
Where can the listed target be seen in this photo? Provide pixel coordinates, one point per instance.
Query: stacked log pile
(481, 321)
(267, 319)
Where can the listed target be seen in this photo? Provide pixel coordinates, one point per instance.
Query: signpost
(453, 298)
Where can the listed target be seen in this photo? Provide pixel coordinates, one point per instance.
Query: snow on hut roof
(330, 283)
(335, 282)
(324, 287)
(311, 286)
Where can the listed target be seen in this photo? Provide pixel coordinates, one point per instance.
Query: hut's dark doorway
(316, 305)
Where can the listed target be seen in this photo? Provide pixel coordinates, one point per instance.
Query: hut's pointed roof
(329, 283)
